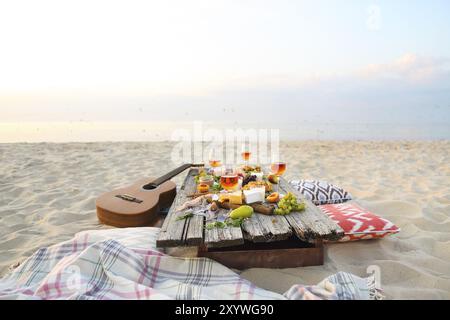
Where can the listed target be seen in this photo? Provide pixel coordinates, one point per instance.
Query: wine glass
(278, 168)
(245, 153)
(230, 179)
(214, 161)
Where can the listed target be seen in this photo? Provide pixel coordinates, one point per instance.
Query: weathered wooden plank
(264, 228)
(275, 228)
(194, 232)
(176, 202)
(230, 236)
(252, 230)
(223, 237)
(211, 237)
(173, 231)
(194, 225)
(311, 224)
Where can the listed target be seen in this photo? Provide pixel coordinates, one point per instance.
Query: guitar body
(134, 206)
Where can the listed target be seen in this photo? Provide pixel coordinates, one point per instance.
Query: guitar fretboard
(169, 175)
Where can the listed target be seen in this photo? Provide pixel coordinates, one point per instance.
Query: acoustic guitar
(138, 205)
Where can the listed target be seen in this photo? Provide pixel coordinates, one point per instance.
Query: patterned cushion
(321, 192)
(358, 223)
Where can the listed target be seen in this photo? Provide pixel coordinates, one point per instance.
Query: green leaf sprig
(227, 223)
(184, 216)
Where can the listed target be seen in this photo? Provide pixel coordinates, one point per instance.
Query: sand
(47, 194)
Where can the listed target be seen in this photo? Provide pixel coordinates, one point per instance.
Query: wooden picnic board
(310, 225)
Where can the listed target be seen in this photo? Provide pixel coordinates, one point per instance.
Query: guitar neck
(171, 174)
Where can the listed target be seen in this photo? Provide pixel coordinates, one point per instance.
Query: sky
(343, 61)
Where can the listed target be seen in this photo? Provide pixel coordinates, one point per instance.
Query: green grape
(289, 203)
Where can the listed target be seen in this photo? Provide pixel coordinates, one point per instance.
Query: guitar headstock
(197, 165)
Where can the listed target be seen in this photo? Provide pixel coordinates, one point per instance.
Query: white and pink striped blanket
(125, 264)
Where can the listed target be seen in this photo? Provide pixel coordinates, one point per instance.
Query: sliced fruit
(273, 197)
(203, 187)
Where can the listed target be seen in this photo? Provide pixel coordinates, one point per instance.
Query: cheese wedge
(254, 195)
(224, 197)
(233, 197)
(236, 197)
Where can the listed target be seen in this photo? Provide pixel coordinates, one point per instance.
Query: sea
(91, 131)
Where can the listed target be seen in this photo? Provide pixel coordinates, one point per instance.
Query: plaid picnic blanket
(125, 264)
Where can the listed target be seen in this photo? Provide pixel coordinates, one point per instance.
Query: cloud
(410, 89)
(409, 67)
(407, 72)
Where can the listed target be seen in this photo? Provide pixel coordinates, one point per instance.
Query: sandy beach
(48, 193)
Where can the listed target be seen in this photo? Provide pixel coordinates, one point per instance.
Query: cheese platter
(247, 217)
(245, 186)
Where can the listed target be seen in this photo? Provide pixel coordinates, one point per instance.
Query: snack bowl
(208, 179)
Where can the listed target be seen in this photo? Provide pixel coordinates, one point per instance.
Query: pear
(241, 212)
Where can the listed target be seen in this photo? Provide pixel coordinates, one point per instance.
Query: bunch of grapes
(288, 204)
(247, 179)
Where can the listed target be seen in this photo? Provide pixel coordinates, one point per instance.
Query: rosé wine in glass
(278, 168)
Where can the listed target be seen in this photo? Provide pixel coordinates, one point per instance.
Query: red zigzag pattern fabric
(358, 223)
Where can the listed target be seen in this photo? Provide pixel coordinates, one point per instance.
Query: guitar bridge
(127, 197)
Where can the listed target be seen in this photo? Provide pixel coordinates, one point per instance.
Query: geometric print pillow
(358, 223)
(321, 192)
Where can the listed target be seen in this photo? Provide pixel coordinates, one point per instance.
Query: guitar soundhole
(149, 186)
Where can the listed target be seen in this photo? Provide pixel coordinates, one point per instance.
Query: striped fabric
(125, 264)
